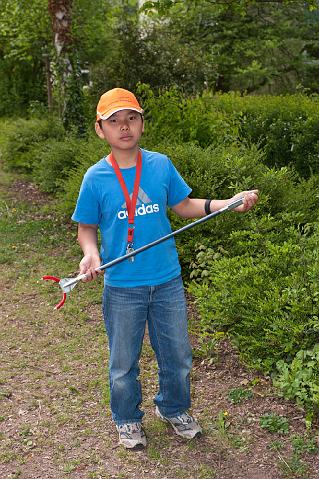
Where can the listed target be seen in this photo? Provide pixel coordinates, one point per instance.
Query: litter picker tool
(67, 284)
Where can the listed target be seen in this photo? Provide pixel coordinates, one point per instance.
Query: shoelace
(185, 418)
(130, 428)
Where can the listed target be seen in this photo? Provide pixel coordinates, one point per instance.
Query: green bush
(287, 131)
(24, 140)
(89, 152)
(285, 128)
(265, 299)
(54, 159)
(274, 423)
(299, 379)
(173, 117)
(286, 200)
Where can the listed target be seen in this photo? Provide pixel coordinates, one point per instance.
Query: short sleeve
(178, 188)
(87, 210)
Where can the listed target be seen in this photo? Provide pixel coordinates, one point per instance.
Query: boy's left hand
(250, 199)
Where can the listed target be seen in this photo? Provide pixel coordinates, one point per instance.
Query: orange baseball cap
(116, 100)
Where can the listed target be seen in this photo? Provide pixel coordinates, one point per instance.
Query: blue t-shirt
(101, 201)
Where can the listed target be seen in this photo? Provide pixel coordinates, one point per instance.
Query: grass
(293, 467)
(47, 350)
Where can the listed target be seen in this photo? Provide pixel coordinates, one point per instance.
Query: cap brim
(99, 116)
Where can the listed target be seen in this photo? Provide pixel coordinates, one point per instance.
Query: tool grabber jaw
(56, 280)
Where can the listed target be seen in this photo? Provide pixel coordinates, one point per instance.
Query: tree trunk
(69, 81)
(60, 12)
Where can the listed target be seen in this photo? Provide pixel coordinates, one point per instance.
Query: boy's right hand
(88, 266)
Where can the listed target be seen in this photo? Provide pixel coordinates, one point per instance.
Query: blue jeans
(126, 311)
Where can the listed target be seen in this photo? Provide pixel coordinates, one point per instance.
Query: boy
(126, 195)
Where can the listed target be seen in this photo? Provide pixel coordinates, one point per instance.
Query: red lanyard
(130, 204)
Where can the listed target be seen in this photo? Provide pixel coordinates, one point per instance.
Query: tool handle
(67, 284)
(229, 207)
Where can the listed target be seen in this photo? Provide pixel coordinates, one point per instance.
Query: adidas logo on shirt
(143, 206)
(140, 211)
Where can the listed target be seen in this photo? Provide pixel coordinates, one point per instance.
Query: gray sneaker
(131, 435)
(184, 425)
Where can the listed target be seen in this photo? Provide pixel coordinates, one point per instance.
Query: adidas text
(140, 211)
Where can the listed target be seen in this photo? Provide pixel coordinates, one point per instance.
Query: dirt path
(54, 416)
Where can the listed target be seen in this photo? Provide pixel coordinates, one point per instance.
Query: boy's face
(122, 130)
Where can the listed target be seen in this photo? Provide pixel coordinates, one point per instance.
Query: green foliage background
(247, 46)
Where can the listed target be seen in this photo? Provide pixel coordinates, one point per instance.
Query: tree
(24, 38)
(33, 58)
(248, 46)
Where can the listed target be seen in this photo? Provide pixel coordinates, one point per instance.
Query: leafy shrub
(238, 395)
(265, 299)
(220, 173)
(173, 117)
(304, 444)
(23, 141)
(54, 159)
(216, 171)
(274, 423)
(286, 141)
(299, 379)
(285, 128)
(88, 153)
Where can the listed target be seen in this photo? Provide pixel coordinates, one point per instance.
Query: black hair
(100, 121)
